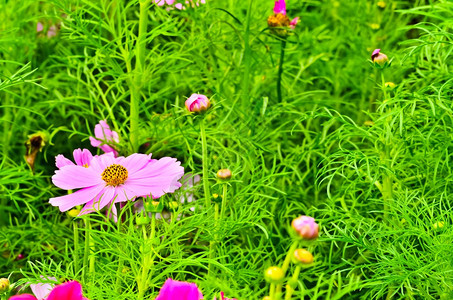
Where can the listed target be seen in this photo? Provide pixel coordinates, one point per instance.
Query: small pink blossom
(172, 290)
(109, 180)
(222, 297)
(294, 22)
(280, 7)
(197, 103)
(53, 30)
(306, 227)
(39, 27)
(71, 290)
(104, 138)
(81, 158)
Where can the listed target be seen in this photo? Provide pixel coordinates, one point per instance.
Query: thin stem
(280, 71)
(148, 260)
(213, 243)
(204, 146)
(224, 200)
(286, 263)
(76, 247)
(92, 258)
(272, 291)
(289, 287)
(136, 87)
(247, 59)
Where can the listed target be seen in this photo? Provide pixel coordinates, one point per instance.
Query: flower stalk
(148, 259)
(285, 265)
(280, 71)
(204, 149)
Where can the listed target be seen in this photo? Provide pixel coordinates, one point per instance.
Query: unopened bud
(438, 225)
(306, 227)
(173, 205)
(74, 212)
(302, 256)
(390, 85)
(224, 174)
(4, 285)
(142, 220)
(274, 274)
(197, 103)
(379, 58)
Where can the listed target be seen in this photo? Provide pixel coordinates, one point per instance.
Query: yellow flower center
(115, 175)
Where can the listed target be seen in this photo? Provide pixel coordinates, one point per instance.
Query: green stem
(76, 247)
(247, 60)
(136, 87)
(280, 72)
(289, 287)
(213, 243)
(286, 263)
(272, 291)
(224, 200)
(92, 258)
(148, 260)
(204, 146)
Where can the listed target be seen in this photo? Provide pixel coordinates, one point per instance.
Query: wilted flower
(197, 103)
(180, 290)
(110, 180)
(81, 158)
(379, 58)
(224, 174)
(274, 274)
(306, 227)
(71, 290)
(33, 145)
(104, 138)
(302, 256)
(279, 20)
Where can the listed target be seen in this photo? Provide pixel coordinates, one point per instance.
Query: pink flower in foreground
(110, 180)
(197, 103)
(42, 290)
(280, 7)
(306, 227)
(104, 137)
(172, 290)
(81, 158)
(71, 290)
(39, 27)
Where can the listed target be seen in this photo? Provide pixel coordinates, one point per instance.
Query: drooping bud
(197, 103)
(380, 59)
(274, 274)
(302, 256)
(306, 227)
(33, 145)
(4, 285)
(224, 174)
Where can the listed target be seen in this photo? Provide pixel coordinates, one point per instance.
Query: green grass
(376, 190)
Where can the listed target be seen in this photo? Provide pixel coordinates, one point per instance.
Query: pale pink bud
(306, 227)
(197, 103)
(379, 58)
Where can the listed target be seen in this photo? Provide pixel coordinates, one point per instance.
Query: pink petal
(280, 7)
(42, 290)
(80, 197)
(179, 6)
(82, 157)
(135, 162)
(23, 297)
(172, 290)
(39, 27)
(61, 161)
(76, 177)
(101, 200)
(71, 290)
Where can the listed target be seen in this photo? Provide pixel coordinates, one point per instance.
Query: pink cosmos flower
(104, 136)
(71, 290)
(280, 7)
(42, 290)
(172, 290)
(53, 30)
(109, 180)
(81, 157)
(306, 227)
(378, 57)
(197, 103)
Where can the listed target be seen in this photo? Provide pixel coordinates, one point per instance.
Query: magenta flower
(306, 227)
(180, 290)
(81, 158)
(280, 7)
(71, 290)
(294, 22)
(197, 103)
(108, 180)
(104, 137)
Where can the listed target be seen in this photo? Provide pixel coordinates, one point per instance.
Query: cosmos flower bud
(306, 227)
(390, 85)
(438, 225)
(20, 256)
(197, 103)
(224, 174)
(142, 219)
(274, 274)
(379, 58)
(302, 256)
(4, 285)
